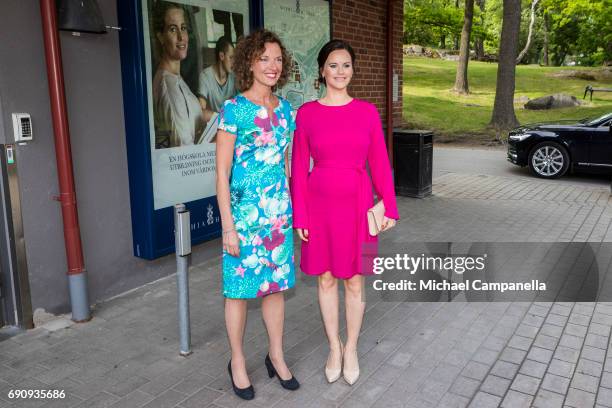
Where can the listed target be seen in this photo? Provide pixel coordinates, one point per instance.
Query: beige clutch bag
(376, 215)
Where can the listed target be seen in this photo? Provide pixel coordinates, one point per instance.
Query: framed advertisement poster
(176, 69)
(188, 53)
(176, 72)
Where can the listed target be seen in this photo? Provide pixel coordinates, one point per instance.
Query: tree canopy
(581, 29)
(571, 31)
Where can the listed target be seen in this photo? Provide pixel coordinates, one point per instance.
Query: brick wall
(363, 24)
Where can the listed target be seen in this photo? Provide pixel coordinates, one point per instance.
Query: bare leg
(235, 320)
(273, 311)
(355, 307)
(328, 302)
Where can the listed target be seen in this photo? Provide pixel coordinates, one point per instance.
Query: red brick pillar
(362, 24)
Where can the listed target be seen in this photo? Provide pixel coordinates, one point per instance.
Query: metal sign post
(182, 239)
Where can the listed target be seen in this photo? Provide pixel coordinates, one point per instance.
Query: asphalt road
(493, 162)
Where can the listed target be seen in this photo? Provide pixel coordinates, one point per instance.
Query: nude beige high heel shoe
(333, 374)
(350, 376)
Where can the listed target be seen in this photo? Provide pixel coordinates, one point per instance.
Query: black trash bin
(412, 156)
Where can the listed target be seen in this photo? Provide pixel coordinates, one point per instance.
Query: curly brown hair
(250, 48)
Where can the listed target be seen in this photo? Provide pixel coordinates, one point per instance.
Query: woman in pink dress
(330, 203)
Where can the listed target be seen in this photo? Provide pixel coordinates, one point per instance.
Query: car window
(599, 119)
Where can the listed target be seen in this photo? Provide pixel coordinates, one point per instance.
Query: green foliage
(582, 28)
(579, 30)
(427, 22)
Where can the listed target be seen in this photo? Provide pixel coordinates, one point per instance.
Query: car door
(601, 146)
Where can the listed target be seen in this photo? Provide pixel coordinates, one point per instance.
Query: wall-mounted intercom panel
(22, 127)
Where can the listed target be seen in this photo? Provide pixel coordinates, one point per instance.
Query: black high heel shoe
(292, 384)
(247, 393)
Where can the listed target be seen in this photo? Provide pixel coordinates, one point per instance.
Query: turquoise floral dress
(260, 199)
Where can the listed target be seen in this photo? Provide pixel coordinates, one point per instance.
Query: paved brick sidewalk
(411, 354)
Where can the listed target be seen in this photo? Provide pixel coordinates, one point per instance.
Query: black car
(551, 149)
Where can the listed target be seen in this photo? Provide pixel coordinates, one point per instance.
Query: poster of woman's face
(188, 52)
(192, 44)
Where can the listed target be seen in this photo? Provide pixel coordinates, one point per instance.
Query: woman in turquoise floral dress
(254, 201)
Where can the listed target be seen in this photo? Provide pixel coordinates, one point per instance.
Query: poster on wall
(176, 63)
(304, 27)
(188, 50)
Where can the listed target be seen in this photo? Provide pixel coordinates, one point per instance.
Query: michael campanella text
(476, 284)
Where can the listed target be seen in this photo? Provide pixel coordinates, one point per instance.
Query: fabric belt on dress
(360, 168)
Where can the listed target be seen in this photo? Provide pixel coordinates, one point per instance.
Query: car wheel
(549, 160)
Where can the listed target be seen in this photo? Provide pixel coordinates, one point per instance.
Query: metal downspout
(77, 278)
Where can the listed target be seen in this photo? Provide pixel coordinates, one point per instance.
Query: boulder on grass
(521, 99)
(567, 73)
(553, 102)
(413, 49)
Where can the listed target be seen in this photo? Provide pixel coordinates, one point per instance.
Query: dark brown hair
(330, 47)
(249, 49)
(159, 14)
(221, 46)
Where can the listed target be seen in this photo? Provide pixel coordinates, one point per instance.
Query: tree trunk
(443, 41)
(456, 37)
(560, 57)
(545, 58)
(479, 42)
(534, 4)
(503, 117)
(479, 48)
(461, 78)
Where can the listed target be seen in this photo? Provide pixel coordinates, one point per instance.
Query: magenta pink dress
(332, 200)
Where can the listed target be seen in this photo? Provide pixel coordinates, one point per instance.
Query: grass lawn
(429, 103)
